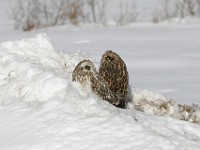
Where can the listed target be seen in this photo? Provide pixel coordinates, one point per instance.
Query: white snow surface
(42, 109)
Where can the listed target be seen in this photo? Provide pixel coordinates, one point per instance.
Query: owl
(114, 71)
(85, 73)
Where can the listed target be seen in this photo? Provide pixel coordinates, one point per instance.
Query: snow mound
(41, 108)
(154, 103)
(32, 71)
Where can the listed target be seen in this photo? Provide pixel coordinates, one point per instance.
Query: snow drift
(41, 108)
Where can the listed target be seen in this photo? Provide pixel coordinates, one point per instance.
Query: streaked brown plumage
(114, 71)
(86, 74)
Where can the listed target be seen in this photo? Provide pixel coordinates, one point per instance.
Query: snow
(41, 108)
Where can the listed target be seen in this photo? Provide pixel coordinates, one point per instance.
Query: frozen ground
(41, 108)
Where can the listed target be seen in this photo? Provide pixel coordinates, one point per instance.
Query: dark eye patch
(109, 58)
(87, 67)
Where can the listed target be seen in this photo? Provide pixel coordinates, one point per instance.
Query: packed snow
(41, 108)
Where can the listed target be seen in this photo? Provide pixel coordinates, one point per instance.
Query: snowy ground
(41, 108)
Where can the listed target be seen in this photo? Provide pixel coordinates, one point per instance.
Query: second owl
(114, 71)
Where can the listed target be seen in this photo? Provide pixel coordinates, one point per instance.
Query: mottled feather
(114, 71)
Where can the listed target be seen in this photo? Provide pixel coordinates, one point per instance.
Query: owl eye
(109, 58)
(87, 67)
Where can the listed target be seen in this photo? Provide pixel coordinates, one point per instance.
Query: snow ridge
(156, 104)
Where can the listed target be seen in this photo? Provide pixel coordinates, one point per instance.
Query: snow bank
(28, 71)
(154, 103)
(41, 108)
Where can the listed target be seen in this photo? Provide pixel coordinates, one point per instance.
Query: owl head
(84, 72)
(113, 68)
(110, 56)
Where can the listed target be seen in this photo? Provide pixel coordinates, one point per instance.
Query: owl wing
(101, 88)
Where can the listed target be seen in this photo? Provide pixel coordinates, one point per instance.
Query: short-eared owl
(114, 71)
(86, 74)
